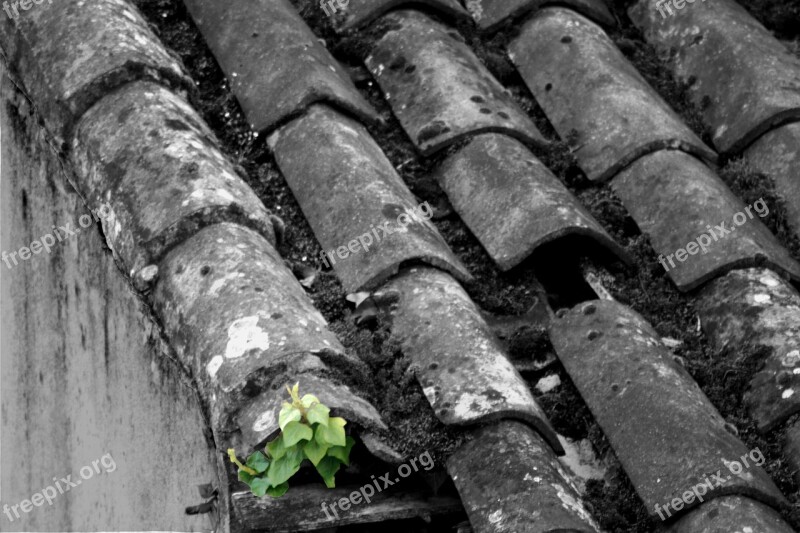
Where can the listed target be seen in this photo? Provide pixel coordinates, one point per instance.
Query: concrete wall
(83, 372)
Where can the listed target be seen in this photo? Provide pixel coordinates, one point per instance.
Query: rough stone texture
(512, 202)
(70, 53)
(742, 78)
(357, 14)
(490, 15)
(755, 307)
(300, 509)
(777, 154)
(259, 420)
(643, 400)
(791, 447)
(462, 369)
(674, 198)
(584, 83)
(145, 153)
(276, 66)
(84, 370)
(510, 481)
(236, 317)
(731, 514)
(441, 92)
(347, 190)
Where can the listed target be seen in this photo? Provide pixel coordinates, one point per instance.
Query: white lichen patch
(548, 383)
(791, 359)
(265, 421)
(788, 393)
(245, 335)
(569, 503)
(214, 365)
(769, 281)
(475, 9)
(761, 298)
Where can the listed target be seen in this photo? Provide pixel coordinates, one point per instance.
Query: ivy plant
(307, 432)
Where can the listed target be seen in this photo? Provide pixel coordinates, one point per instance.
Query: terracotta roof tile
(512, 202)
(146, 153)
(643, 400)
(73, 52)
(441, 92)
(463, 371)
(490, 15)
(510, 480)
(584, 83)
(675, 198)
(276, 66)
(349, 190)
(745, 81)
(358, 14)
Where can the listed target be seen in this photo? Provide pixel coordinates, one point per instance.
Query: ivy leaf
(277, 492)
(235, 460)
(318, 414)
(327, 468)
(308, 400)
(259, 485)
(333, 434)
(258, 462)
(282, 469)
(294, 432)
(276, 448)
(289, 413)
(342, 452)
(314, 451)
(245, 477)
(294, 392)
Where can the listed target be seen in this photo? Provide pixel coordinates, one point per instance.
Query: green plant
(307, 432)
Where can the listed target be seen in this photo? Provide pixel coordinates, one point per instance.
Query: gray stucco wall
(83, 370)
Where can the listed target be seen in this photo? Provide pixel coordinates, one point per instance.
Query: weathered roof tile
(73, 52)
(463, 371)
(232, 311)
(441, 92)
(643, 399)
(584, 83)
(758, 308)
(489, 15)
(147, 154)
(731, 513)
(742, 78)
(777, 154)
(510, 481)
(276, 66)
(350, 191)
(675, 199)
(512, 202)
(356, 14)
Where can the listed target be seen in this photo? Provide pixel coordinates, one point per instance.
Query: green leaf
(282, 469)
(276, 448)
(277, 492)
(308, 400)
(289, 413)
(245, 477)
(317, 414)
(343, 452)
(258, 462)
(314, 451)
(332, 435)
(327, 468)
(294, 432)
(259, 486)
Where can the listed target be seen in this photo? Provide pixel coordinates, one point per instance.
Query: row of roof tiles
(433, 118)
